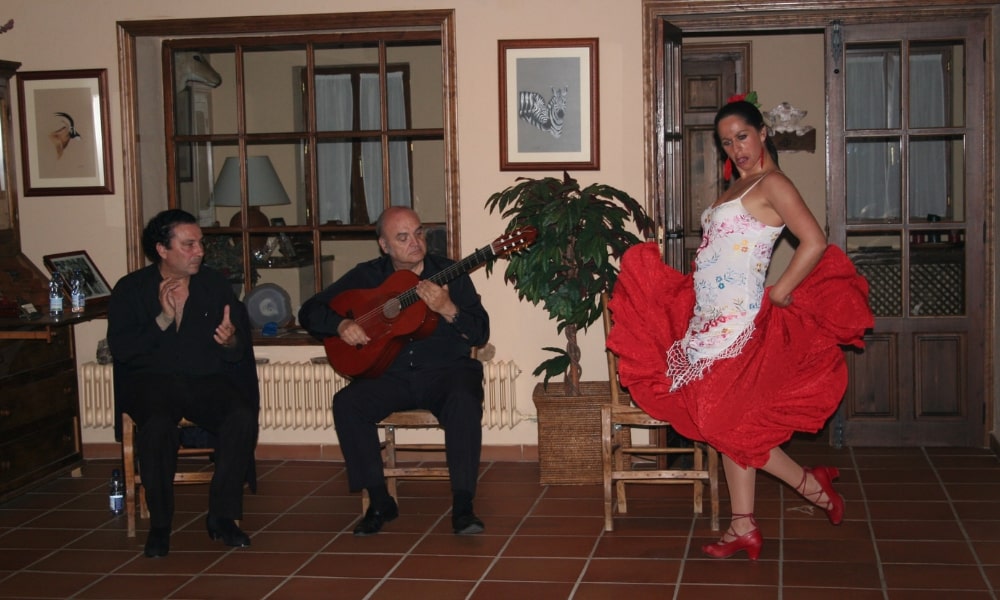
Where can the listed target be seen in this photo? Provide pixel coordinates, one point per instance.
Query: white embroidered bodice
(730, 269)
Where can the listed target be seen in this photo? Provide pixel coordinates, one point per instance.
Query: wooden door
(907, 201)
(710, 75)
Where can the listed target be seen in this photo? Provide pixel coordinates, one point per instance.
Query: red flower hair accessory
(750, 97)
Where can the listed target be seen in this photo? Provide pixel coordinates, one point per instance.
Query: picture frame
(97, 287)
(549, 108)
(65, 134)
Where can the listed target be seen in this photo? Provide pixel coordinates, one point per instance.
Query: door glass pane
(937, 273)
(877, 257)
(937, 86)
(937, 178)
(873, 86)
(874, 180)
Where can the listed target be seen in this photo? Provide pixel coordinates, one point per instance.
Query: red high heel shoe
(750, 541)
(824, 477)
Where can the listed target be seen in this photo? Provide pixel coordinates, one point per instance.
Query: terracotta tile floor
(921, 523)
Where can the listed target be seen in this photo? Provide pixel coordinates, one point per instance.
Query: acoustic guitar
(392, 314)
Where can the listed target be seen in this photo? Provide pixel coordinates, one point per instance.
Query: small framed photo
(65, 135)
(95, 285)
(549, 105)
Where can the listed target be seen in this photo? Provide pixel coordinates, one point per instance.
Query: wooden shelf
(789, 141)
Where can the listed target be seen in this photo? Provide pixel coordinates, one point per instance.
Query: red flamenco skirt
(790, 376)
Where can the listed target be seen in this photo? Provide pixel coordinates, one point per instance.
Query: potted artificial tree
(569, 266)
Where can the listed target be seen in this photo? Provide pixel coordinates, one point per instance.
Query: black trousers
(454, 395)
(157, 404)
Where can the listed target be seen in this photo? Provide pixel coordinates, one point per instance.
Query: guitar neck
(468, 264)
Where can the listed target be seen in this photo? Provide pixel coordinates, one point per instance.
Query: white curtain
(335, 109)
(371, 151)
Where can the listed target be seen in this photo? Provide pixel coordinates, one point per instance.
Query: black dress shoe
(467, 523)
(158, 542)
(375, 518)
(227, 530)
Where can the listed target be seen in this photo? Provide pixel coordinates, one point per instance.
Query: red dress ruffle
(790, 376)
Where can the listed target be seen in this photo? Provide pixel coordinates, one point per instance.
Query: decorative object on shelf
(269, 303)
(264, 188)
(224, 253)
(788, 134)
(549, 104)
(95, 286)
(65, 135)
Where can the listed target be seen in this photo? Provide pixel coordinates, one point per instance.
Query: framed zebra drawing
(549, 117)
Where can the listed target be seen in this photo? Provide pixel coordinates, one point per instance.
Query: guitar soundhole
(392, 308)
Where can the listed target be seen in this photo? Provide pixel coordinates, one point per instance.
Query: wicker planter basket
(569, 432)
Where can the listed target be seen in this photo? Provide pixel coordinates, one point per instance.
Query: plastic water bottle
(55, 296)
(78, 296)
(116, 493)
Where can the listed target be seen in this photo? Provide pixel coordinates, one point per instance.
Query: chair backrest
(618, 396)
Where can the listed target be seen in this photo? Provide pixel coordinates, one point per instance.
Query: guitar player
(431, 368)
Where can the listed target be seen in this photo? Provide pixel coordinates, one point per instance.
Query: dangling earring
(762, 152)
(727, 169)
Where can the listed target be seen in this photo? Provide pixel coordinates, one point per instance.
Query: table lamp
(263, 185)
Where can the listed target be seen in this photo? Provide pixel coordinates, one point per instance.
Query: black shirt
(136, 340)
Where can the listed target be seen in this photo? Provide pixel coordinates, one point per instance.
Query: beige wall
(85, 38)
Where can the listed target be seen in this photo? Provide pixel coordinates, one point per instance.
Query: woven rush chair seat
(626, 462)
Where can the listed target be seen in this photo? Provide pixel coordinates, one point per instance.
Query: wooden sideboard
(39, 404)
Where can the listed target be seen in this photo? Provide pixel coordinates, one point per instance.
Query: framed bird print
(65, 137)
(549, 105)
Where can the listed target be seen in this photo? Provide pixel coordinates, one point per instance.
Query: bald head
(401, 236)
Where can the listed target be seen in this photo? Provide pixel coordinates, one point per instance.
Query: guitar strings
(443, 276)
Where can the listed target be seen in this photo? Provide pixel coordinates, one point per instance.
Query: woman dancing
(731, 363)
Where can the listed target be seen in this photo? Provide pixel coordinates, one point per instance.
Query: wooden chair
(625, 462)
(135, 494)
(391, 448)
(408, 419)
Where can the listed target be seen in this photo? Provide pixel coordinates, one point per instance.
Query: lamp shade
(262, 183)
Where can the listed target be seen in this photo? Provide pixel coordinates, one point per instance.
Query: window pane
(193, 169)
(270, 84)
(937, 178)
(204, 91)
(428, 180)
(224, 253)
(873, 85)
(425, 89)
(937, 85)
(338, 100)
(874, 180)
(877, 258)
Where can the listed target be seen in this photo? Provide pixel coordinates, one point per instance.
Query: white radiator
(298, 395)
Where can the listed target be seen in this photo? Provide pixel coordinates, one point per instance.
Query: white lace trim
(682, 371)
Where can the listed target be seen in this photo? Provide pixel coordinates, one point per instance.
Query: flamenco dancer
(731, 363)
